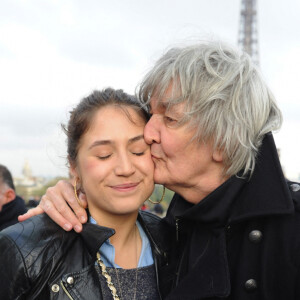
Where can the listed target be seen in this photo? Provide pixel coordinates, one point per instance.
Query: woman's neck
(126, 241)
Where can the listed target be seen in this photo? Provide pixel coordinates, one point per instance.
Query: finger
(58, 211)
(69, 195)
(60, 196)
(82, 198)
(30, 213)
(80, 211)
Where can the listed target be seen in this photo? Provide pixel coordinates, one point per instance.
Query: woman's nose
(125, 166)
(151, 130)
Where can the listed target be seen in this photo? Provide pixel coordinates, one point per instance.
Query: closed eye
(169, 120)
(104, 157)
(138, 153)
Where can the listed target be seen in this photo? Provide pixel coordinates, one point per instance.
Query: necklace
(107, 277)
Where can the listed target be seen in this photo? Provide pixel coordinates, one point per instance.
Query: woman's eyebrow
(136, 138)
(100, 143)
(110, 142)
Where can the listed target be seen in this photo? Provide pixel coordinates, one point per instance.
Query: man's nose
(151, 131)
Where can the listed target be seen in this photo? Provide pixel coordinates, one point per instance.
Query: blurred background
(53, 53)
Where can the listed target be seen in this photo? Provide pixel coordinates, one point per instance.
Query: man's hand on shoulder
(60, 204)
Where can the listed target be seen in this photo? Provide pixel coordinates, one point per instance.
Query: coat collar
(267, 192)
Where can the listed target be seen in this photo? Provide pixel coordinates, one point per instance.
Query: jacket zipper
(65, 290)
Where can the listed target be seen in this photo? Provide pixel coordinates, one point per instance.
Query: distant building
(28, 183)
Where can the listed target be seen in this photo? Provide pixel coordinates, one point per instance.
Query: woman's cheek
(149, 161)
(90, 165)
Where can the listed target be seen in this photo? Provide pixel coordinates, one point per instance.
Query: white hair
(225, 96)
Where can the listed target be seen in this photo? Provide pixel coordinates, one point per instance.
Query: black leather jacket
(39, 260)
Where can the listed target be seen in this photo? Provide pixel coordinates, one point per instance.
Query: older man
(11, 205)
(235, 217)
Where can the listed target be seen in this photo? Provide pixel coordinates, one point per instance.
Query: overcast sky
(54, 52)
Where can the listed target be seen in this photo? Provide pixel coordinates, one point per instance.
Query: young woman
(116, 259)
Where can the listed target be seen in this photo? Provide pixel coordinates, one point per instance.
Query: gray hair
(225, 96)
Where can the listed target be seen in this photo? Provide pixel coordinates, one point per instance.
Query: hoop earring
(161, 199)
(75, 192)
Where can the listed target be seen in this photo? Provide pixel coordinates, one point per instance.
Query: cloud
(28, 121)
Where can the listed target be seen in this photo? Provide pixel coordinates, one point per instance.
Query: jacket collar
(94, 236)
(238, 199)
(157, 232)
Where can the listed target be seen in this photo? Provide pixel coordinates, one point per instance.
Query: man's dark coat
(242, 241)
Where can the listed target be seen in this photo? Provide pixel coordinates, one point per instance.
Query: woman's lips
(127, 187)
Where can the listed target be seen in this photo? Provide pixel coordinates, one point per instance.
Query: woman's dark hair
(82, 115)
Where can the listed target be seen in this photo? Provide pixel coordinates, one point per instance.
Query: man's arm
(60, 204)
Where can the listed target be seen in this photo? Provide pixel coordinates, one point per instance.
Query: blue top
(107, 250)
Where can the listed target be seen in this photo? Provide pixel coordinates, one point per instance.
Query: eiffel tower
(248, 39)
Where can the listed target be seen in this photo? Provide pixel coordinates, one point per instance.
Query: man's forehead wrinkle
(168, 99)
(166, 105)
(156, 103)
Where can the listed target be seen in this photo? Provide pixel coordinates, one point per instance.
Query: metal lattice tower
(248, 39)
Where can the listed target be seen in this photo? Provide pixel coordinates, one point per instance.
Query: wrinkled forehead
(168, 97)
(162, 106)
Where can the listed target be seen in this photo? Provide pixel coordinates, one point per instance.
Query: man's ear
(9, 195)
